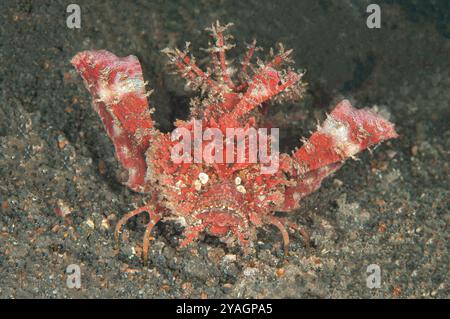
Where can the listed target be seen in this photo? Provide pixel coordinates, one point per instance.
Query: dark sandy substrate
(390, 208)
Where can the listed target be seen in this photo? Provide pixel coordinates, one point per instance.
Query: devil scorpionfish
(223, 198)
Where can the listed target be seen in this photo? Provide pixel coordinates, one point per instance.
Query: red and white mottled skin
(226, 200)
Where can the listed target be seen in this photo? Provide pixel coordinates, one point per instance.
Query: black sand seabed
(390, 208)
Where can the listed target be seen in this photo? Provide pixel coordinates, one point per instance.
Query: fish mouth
(215, 211)
(220, 218)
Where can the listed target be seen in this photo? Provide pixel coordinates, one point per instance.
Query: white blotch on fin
(340, 133)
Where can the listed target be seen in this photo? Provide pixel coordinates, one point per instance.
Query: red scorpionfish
(226, 198)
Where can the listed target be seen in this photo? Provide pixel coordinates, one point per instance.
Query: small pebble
(280, 272)
(105, 224)
(90, 223)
